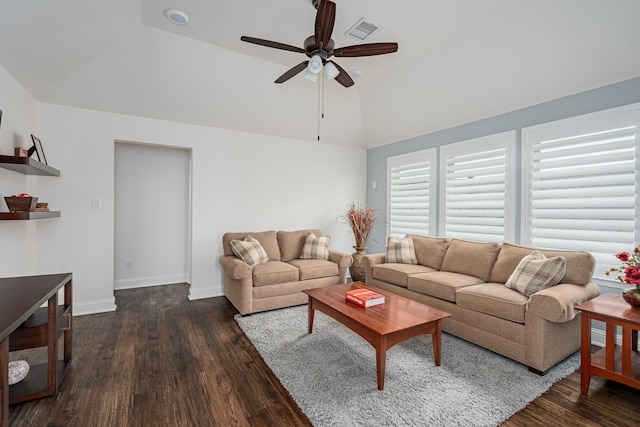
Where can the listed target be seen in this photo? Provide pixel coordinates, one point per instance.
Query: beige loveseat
(467, 279)
(280, 281)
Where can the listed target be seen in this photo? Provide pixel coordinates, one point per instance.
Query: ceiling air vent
(362, 29)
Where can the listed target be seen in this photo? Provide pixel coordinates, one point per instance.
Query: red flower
(632, 275)
(623, 256)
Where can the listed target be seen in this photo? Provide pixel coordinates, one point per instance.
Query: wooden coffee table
(383, 326)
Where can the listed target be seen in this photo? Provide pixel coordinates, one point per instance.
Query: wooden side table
(619, 363)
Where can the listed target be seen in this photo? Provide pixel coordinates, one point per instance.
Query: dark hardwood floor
(161, 360)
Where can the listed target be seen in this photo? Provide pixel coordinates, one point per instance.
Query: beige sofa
(280, 281)
(467, 280)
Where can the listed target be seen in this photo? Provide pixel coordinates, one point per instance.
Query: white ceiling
(458, 61)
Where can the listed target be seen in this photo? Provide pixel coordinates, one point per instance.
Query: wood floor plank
(162, 360)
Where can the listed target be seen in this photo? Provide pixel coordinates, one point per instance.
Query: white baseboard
(143, 282)
(201, 293)
(94, 307)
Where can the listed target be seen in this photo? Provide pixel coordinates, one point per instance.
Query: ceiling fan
(320, 47)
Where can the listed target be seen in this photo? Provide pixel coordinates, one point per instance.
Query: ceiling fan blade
(370, 49)
(292, 72)
(325, 18)
(343, 78)
(269, 43)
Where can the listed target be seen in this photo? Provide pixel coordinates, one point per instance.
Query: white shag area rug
(331, 374)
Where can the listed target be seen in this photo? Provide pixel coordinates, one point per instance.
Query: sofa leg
(536, 371)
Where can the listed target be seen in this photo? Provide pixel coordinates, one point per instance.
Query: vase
(357, 269)
(632, 297)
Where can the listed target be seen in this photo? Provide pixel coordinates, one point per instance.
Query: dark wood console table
(619, 363)
(24, 325)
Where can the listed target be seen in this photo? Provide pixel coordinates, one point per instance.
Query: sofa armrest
(557, 303)
(369, 260)
(235, 267)
(343, 260)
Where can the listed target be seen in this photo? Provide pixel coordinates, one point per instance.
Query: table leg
(68, 339)
(436, 339)
(4, 382)
(381, 361)
(52, 346)
(311, 313)
(585, 352)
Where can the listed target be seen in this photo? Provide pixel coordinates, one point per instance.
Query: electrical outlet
(96, 203)
(128, 265)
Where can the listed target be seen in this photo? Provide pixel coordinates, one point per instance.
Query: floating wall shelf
(27, 166)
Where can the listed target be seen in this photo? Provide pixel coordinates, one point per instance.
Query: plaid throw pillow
(402, 252)
(315, 247)
(250, 251)
(536, 272)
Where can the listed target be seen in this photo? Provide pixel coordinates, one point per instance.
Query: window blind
(478, 200)
(583, 191)
(411, 191)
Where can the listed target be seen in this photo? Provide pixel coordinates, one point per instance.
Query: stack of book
(364, 297)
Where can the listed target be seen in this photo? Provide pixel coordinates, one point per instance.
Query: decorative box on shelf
(21, 204)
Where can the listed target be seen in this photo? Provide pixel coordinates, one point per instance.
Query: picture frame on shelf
(37, 147)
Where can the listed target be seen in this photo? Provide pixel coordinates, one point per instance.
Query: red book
(364, 297)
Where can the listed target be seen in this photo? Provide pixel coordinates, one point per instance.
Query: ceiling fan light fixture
(311, 76)
(315, 64)
(331, 70)
(176, 16)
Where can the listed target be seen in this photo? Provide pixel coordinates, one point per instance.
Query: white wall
(18, 254)
(152, 215)
(241, 182)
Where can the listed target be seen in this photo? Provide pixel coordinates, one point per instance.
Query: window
(477, 189)
(581, 190)
(412, 184)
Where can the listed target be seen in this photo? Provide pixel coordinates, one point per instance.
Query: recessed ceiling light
(355, 74)
(176, 16)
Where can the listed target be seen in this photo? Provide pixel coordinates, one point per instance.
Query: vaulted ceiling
(458, 61)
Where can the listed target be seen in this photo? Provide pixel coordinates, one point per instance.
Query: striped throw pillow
(402, 252)
(250, 251)
(536, 272)
(315, 247)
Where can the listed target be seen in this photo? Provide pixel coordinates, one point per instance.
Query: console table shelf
(27, 166)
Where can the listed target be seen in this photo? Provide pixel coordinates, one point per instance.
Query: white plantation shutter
(582, 185)
(477, 189)
(412, 184)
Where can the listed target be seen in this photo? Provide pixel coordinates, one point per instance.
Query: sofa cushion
(470, 258)
(440, 284)
(579, 265)
(315, 247)
(398, 274)
(274, 272)
(401, 252)
(493, 299)
(267, 239)
(536, 272)
(314, 268)
(430, 250)
(249, 250)
(291, 242)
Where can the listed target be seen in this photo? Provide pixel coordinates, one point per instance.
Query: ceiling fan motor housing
(311, 48)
